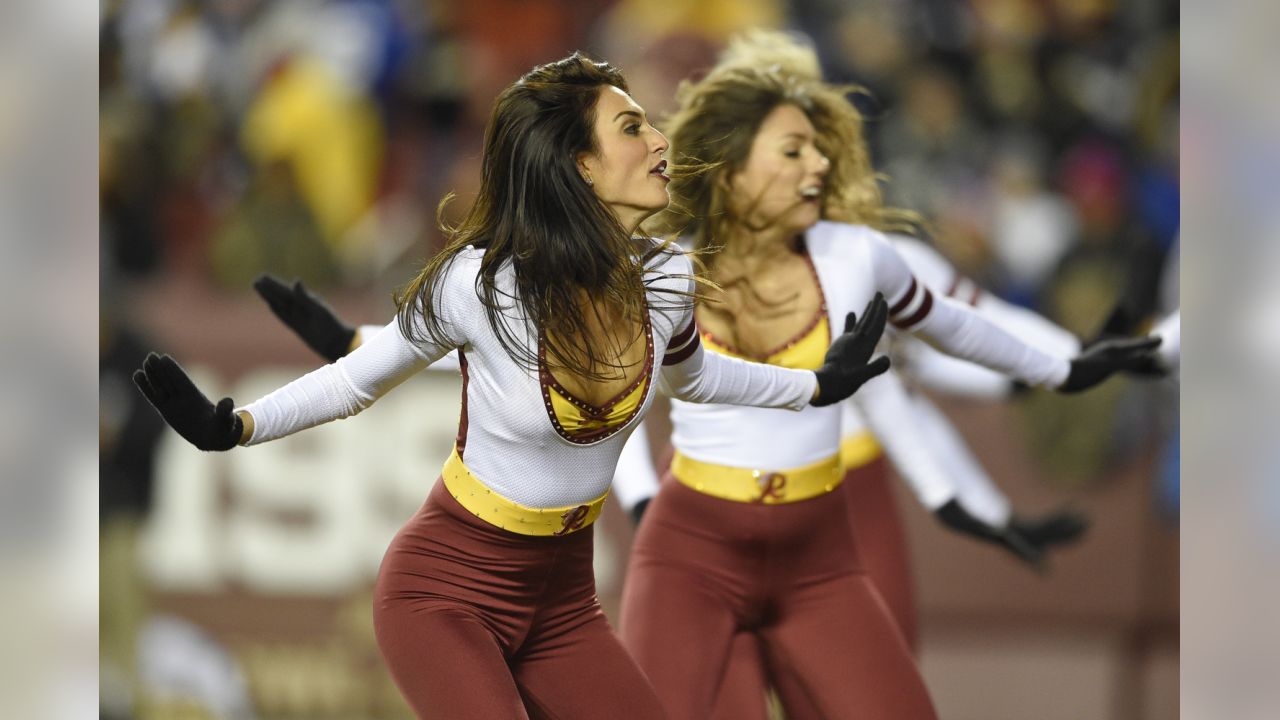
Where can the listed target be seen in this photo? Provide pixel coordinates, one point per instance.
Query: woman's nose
(661, 145)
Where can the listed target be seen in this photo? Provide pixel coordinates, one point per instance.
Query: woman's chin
(807, 218)
(659, 203)
(633, 215)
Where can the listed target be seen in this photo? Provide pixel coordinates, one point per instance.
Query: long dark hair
(573, 260)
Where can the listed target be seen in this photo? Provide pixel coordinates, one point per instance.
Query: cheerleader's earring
(582, 169)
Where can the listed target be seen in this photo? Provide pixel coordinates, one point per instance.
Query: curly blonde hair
(712, 132)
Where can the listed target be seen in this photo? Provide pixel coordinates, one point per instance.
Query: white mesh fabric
(749, 437)
(448, 363)
(511, 445)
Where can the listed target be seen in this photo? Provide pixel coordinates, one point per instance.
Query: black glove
(1010, 538)
(637, 512)
(1097, 362)
(186, 409)
(1062, 527)
(845, 367)
(308, 316)
(1121, 323)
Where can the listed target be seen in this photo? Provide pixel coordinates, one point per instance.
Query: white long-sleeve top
(944, 373)
(511, 444)
(448, 363)
(928, 453)
(852, 263)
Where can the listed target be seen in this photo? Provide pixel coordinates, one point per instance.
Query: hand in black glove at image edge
(167, 387)
(845, 367)
(308, 316)
(1121, 324)
(1099, 361)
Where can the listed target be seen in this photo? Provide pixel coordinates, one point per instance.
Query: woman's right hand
(308, 316)
(167, 387)
(845, 367)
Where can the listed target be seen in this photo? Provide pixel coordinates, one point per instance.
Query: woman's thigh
(582, 674)
(842, 647)
(446, 663)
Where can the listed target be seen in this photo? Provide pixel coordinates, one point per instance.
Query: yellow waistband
(858, 450)
(512, 516)
(759, 485)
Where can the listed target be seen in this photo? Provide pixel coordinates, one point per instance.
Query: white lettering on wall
(308, 514)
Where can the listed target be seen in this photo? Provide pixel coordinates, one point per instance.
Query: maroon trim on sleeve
(918, 315)
(905, 300)
(682, 337)
(684, 353)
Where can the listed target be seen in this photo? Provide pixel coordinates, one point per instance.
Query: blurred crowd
(315, 138)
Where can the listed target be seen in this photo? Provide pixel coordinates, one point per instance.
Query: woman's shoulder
(464, 264)
(839, 239)
(832, 229)
(665, 257)
(468, 258)
(457, 280)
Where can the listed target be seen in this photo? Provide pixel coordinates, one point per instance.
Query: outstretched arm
(978, 492)
(690, 373)
(888, 411)
(340, 389)
(960, 331)
(332, 392)
(312, 320)
(937, 273)
(939, 372)
(943, 373)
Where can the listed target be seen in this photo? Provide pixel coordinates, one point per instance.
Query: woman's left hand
(845, 367)
(1100, 360)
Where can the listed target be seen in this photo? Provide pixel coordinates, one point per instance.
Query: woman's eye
(633, 129)
(792, 153)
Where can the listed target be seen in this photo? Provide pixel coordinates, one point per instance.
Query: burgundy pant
(882, 546)
(882, 541)
(704, 570)
(477, 622)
